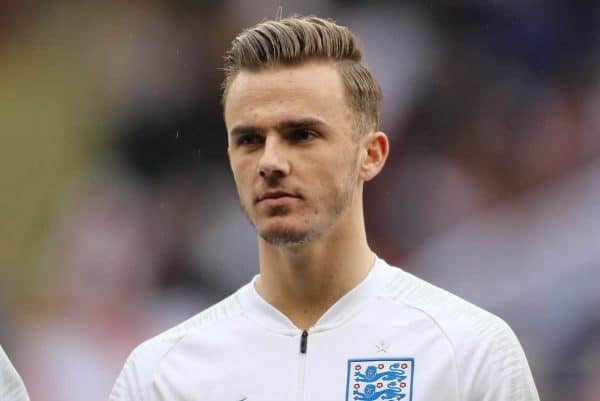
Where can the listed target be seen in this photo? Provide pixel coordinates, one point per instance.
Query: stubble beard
(289, 237)
(280, 236)
(295, 236)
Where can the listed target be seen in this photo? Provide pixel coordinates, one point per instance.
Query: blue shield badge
(380, 379)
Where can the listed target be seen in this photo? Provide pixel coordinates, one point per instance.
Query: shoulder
(457, 318)
(488, 355)
(144, 361)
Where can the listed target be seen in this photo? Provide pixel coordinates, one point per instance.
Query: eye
(302, 135)
(249, 139)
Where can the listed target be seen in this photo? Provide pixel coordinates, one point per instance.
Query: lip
(273, 196)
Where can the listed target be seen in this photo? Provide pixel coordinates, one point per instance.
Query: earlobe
(376, 145)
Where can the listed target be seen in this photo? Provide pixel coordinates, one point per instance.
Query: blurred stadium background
(118, 214)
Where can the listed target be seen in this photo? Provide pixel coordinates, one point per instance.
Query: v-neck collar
(258, 309)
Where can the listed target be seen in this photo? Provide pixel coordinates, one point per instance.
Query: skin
(290, 133)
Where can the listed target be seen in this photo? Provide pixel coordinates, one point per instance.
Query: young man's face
(291, 149)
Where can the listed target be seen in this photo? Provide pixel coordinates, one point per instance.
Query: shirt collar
(258, 309)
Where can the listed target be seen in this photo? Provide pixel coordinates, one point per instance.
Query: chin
(285, 235)
(285, 238)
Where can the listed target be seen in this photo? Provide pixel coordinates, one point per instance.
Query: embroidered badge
(380, 379)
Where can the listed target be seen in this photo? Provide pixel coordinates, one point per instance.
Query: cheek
(346, 164)
(331, 180)
(243, 169)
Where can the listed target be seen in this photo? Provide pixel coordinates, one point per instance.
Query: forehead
(312, 89)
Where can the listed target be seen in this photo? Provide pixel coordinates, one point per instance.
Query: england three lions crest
(388, 379)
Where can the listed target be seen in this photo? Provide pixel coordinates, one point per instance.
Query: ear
(376, 148)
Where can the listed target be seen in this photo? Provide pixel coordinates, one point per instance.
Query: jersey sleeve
(127, 386)
(135, 380)
(11, 385)
(495, 366)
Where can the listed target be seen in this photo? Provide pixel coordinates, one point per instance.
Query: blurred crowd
(119, 216)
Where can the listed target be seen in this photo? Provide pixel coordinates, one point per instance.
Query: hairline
(359, 128)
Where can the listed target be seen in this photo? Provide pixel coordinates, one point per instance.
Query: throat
(304, 293)
(304, 324)
(307, 317)
(303, 307)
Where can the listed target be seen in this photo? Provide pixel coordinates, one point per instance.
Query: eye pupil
(303, 135)
(248, 139)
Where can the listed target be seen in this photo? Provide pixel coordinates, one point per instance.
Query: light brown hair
(295, 40)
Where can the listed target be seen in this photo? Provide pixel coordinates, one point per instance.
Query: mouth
(274, 195)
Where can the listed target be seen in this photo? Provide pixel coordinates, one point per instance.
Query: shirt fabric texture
(392, 337)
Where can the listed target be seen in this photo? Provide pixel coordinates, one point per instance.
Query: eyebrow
(308, 122)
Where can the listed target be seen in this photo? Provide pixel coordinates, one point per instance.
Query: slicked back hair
(295, 40)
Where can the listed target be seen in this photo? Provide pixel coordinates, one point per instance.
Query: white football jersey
(393, 337)
(11, 385)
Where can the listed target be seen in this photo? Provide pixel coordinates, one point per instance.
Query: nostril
(271, 177)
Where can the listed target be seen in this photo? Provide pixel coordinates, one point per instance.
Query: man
(325, 319)
(11, 385)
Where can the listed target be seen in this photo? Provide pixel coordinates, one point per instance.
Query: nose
(273, 162)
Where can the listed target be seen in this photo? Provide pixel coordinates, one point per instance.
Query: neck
(304, 281)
